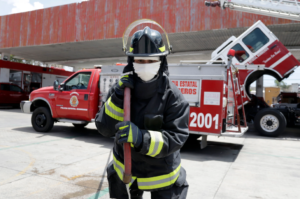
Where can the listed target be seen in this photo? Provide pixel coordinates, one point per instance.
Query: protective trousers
(117, 188)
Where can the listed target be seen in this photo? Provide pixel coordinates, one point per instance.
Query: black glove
(129, 133)
(125, 81)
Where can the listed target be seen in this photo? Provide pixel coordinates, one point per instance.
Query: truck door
(241, 54)
(4, 93)
(73, 101)
(15, 94)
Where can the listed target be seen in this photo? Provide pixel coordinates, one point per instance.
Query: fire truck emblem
(74, 101)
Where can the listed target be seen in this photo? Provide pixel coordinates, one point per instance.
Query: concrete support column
(260, 87)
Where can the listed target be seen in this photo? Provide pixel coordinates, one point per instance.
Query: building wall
(4, 75)
(48, 80)
(104, 19)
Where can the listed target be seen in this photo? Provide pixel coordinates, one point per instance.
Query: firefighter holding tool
(158, 126)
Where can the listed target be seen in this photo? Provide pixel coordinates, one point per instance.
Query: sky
(293, 78)
(16, 6)
(269, 81)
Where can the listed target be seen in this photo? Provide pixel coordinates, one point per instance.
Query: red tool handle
(127, 148)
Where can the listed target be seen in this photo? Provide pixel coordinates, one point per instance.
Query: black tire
(80, 125)
(270, 122)
(42, 120)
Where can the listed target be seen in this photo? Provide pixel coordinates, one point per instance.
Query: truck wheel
(42, 120)
(270, 122)
(80, 125)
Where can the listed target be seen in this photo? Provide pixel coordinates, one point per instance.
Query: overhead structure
(89, 33)
(286, 9)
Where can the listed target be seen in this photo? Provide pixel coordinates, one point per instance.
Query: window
(219, 61)
(5, 87)
(240, 53)
(36, 77)
(79, 81)
(15, 77)
(36, 80)
(15, 88)
(255, 40)
(26, 82)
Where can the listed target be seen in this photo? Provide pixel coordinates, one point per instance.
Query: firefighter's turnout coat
(160, 111)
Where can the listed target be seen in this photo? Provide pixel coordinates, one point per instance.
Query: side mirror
(55, 85)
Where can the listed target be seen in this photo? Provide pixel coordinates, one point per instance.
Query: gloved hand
(130, 133)
(125, 81)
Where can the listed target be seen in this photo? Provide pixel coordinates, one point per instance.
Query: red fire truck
(30, 77)
(18, 80)
(217, 90)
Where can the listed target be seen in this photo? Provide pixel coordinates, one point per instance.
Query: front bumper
(25, 106)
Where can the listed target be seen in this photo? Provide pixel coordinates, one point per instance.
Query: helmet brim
(148, 55)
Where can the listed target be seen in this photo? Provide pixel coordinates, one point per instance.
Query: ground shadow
(10, 109)
(289, 133)
(228, 152)
(215, 151)
(88, 135)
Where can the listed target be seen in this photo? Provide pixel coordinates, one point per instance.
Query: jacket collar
(146, 90)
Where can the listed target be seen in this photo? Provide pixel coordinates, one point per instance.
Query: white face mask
(146, 71)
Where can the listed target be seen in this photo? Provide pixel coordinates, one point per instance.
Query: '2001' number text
(202, 120)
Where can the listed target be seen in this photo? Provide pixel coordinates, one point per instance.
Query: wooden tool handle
(127, 149)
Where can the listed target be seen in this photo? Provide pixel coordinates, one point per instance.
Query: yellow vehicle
(270, 94)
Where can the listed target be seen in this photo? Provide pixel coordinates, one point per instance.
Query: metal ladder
(287, 9)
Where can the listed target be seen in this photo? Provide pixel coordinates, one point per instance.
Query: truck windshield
(240, 53)
(255, 40)
(79, 81)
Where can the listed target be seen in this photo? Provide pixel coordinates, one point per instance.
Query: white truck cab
(257, 46)
(258, 52)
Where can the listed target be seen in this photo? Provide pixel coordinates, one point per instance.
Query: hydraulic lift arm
(286, 9)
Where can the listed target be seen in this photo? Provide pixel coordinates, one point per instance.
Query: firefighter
(158, 127)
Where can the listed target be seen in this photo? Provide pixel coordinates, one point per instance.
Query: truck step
(235, 134)
(72, 121)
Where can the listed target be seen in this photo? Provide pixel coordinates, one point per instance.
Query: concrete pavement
(70, 163)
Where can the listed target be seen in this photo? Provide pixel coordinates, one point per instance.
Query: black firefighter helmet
(147, 43)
